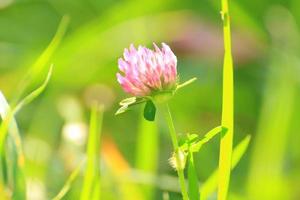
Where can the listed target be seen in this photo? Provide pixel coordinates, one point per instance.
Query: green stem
(173, 135)
(227, 108)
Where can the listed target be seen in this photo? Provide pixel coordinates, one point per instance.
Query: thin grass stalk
(173, 135)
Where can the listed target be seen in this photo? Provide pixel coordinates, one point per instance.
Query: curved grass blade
(210, 185)
(11, 112)
(69, 182)
(35, 71)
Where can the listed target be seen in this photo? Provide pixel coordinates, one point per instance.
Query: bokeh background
(134, 154)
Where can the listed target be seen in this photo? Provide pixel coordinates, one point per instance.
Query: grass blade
(210, 185)
(12, 157)
(227, 108)
(36, 69)
(69, 182)
(29, 98)
(14, 148)
(11, 112)
(92, 172)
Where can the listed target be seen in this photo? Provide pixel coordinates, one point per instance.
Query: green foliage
(13, 162)
(85, 49)
(211, 184)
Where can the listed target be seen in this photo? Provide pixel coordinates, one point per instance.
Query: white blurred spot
(35, 189)
(75, 132)
(5, 3)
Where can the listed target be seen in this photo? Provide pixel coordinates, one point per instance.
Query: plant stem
(173, 135)
(92, 171)
(227, 108)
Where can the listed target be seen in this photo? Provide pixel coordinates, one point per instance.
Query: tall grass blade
(227, 108)
(14, 163)
(92, 171)
(12, 157)
(210, 185)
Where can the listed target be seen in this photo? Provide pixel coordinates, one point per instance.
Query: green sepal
(149, 111)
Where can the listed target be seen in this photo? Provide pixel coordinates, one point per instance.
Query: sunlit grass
(227, 108)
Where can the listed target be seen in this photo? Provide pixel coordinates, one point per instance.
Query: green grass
(11, 150)
(227, 108)
(211, 184)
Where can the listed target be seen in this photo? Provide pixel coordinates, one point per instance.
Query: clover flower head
(146, 72)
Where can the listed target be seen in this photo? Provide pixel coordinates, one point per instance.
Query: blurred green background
(134, 154)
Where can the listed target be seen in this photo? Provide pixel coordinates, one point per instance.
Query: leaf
(210, 185)
(208, 136)
(193, 185)
(192, 142)
(122, 110)
(129, 102)
(149, 111)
